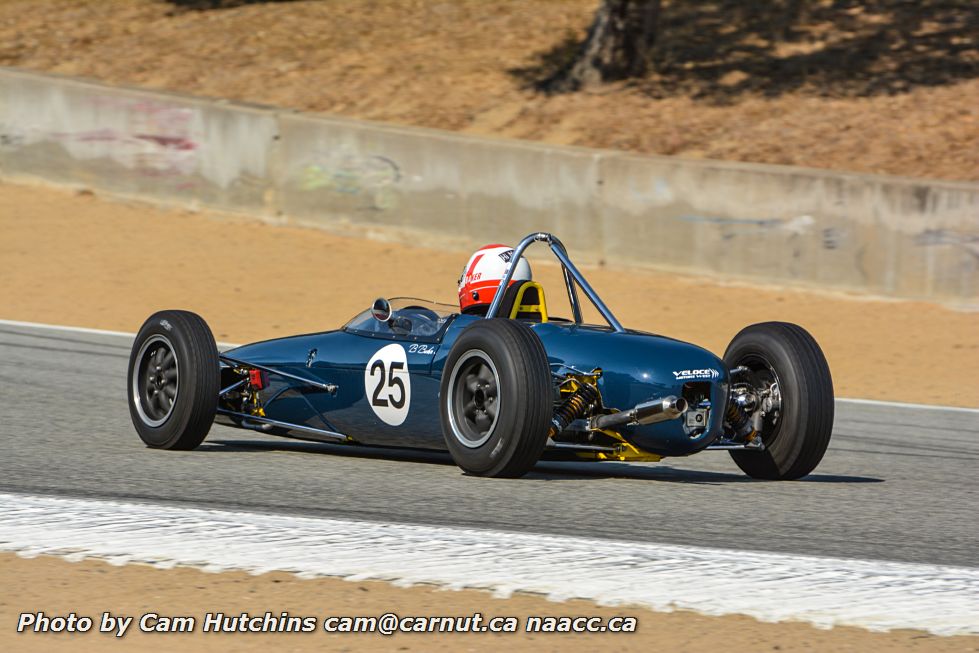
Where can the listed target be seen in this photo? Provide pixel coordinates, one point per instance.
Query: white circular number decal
(388, 385)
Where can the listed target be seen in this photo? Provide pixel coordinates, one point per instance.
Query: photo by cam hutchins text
(384, 624)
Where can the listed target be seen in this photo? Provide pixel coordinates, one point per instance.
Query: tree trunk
(617, 46)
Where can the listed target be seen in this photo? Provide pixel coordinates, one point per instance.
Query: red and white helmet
(482, 274)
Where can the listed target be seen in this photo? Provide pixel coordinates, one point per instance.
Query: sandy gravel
(89, 588)
(884, 87)
(86, 261)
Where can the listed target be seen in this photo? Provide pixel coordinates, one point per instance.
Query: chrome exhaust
(648, 412)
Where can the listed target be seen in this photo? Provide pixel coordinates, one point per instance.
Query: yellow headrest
(535, 305)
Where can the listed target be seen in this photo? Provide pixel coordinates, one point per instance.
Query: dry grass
(854, 86)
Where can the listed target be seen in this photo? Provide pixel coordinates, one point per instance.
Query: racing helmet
(482, 274)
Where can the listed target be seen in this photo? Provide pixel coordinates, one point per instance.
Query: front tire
(796, 436)
(173, 381)
(495, 399)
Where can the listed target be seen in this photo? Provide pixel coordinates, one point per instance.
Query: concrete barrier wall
(881, 235)
(458, 190)
(166, 147)
(887, 236)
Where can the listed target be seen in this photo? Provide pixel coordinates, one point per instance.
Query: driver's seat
(524, 301)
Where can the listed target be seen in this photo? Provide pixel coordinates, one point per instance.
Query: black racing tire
(496, 399)
(796, 439)
(173, 381)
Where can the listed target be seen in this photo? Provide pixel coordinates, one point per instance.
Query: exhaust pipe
(648, 412)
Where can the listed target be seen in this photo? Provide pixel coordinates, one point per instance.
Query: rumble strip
(771, 587)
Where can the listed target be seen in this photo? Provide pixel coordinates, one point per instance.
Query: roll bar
(571, 276)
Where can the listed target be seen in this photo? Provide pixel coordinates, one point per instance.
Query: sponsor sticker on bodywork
(708, 373)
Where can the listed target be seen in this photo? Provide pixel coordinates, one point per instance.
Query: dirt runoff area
(90, 588)
(883, 87)
(79, 259)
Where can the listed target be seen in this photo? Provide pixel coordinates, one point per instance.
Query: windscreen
(410, 317)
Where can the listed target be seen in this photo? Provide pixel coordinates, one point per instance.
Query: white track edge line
(59, 327)
(901, 404)
(75, 329)
(772, 587)
(864, 402)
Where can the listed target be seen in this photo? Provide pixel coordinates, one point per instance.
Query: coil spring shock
(739, 417)
(573, 407)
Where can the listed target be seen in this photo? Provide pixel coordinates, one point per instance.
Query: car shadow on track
(345, 450)
(545, 471)
(664, 473)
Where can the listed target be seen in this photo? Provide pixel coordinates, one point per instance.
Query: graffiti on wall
(11, 138)
(968, 243)
(371, 179)
(153, 139)
(798, 226)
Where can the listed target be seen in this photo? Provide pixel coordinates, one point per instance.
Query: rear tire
(495, 399)
(796, 439)
(173, 382)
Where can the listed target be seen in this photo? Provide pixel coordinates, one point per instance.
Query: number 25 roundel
(388, 385)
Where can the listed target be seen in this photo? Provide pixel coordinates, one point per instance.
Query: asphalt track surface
(898, 483)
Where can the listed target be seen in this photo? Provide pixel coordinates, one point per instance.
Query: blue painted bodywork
(635, 367)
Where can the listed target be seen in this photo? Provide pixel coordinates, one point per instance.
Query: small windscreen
(411, 317)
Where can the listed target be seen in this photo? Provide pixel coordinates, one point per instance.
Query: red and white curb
(826, 592)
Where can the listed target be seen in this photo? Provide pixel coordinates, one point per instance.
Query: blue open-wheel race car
(500, 384)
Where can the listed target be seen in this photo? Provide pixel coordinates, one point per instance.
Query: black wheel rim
(155, 381)
(474, 398)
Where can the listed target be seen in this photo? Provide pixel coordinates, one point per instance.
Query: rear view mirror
(381, 310)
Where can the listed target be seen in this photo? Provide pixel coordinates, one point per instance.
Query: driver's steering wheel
(429, 321)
